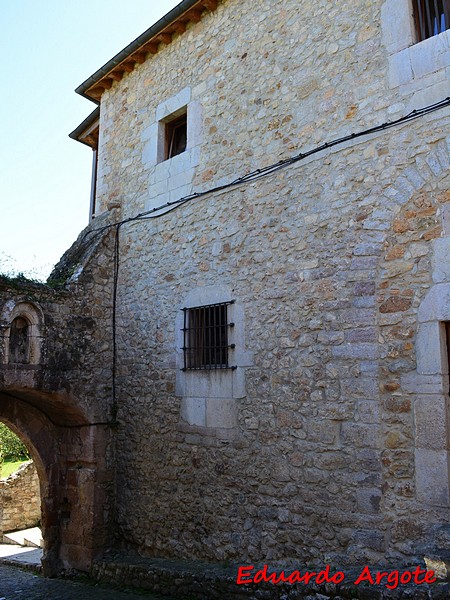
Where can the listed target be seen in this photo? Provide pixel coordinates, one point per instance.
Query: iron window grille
(432, 17)
(206, 337)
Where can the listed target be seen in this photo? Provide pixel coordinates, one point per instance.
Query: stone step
(26, 537)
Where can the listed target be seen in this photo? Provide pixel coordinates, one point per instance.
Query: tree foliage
(11, 447)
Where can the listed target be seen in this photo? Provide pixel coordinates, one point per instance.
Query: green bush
(11, 447)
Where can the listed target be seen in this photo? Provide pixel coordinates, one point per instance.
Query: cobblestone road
(16, 584)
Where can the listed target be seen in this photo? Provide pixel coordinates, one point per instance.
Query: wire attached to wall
(114, 406)
(272, 168)
(248, 177)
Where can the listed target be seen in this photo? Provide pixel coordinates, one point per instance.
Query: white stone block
(430, 349)
(179, 193)
(209, 384)
(221, 413)
(181, 179)
(238, 383)
(180, 162)
(436, 304)
(160, 187)
(423, 93)
(424, 58)
(162, 170)
(432, 477)
(400, 71)
(173, 104)
(396, 25)
(422, 384)
(193, 411)
(445, 215)
(194, 124)
(430, 422)
(441, 260)
(159, 201)
(149, 132)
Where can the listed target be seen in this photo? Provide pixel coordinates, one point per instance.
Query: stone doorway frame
(76, 483)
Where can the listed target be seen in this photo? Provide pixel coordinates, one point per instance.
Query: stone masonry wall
(20, 499)
(321, 461)
(328, 259)
(60, 402)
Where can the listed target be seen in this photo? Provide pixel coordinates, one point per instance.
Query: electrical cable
(264, 171)
(249, 177)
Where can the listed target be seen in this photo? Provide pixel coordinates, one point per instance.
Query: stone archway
(20, 496)
(53, 405)
(70, 455)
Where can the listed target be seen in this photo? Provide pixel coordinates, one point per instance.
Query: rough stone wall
(62, 405)
(321, 462)
(322, 456)
(329, 259)
(20, 499)
(74, 329)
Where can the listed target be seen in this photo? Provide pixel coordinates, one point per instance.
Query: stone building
(245, 355)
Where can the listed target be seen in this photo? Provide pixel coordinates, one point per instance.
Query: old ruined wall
(20, 499)
(58, 398)
(70, 329)
(316, 448)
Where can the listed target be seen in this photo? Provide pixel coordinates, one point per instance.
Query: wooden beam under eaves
(166, 38)
(140, 54)
(97, 92)
(140, 57)
(194, 15)
(151, 47)
(179, 26)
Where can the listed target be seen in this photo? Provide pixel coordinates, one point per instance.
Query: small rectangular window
(206, 334)
(175, 136)
(432, 17)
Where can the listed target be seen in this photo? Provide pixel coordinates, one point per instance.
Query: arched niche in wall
(23, 322)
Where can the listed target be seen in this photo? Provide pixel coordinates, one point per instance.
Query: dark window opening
(19, 342)
(206, 330)
(432, 17)
(176, 136)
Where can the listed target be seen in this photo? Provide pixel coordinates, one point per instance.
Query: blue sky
(47, 48)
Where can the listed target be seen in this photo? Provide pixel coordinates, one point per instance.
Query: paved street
(16, 584)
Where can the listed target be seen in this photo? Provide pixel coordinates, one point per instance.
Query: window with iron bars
(206, 337)
(432, 17)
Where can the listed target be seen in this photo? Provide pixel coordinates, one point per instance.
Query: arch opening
(20, 495)
(75, 476)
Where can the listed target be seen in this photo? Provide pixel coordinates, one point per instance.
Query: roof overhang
(174, 22)
(87, 131)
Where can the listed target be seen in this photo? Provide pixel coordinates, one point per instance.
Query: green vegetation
(9, 467)
(11, 447)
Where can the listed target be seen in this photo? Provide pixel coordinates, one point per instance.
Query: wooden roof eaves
(137, 52)
(85, 128)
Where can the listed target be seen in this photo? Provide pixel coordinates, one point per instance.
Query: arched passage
(71, 458)
(20, 497)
